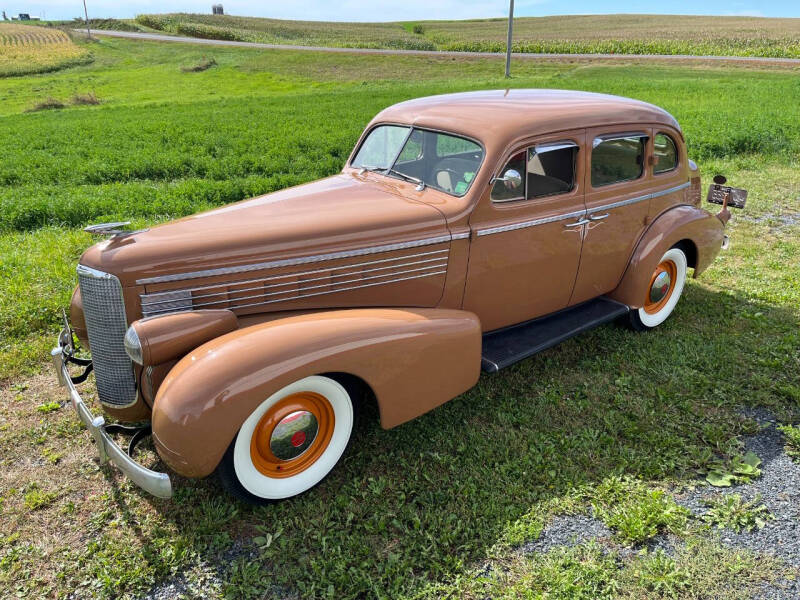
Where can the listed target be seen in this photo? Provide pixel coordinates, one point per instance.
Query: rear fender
(413, 359)
(683, 222)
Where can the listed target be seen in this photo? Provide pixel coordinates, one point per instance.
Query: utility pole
(508, 42)
(86, 14)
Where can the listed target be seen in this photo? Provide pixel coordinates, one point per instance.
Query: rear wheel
(663, 291)
(290, 442)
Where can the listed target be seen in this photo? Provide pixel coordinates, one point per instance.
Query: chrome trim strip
(617, 136)
(676, 188)
(290, 262)
(344, 289)
(552, 146)
(461, 236)
(532, 223)
(153, 482)
(90, 272)
(440, 262)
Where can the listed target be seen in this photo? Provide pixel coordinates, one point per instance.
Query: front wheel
(290, 442)
(663, 291)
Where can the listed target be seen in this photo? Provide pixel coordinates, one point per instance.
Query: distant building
(216, 9)
(24, 17)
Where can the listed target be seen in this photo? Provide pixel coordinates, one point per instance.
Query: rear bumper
(153, 482)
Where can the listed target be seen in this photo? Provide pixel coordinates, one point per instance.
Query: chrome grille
(104, 311)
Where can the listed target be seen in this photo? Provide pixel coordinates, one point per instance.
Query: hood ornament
(113, 229)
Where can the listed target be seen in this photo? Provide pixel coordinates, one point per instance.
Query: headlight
(133, 347)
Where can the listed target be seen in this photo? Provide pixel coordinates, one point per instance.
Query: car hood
(338, 213)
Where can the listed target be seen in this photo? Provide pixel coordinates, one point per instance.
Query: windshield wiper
(371, 168)
(419, 182)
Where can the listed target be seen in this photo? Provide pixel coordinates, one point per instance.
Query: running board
(504, 347)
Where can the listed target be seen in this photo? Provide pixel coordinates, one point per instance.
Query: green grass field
(618, 34)
(611, 420)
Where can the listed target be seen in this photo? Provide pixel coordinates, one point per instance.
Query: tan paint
(679, 223)
(171, 336)
(414, 360)
(520, 274)
(76, 318)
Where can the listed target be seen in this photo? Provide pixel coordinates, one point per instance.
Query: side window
(551, 169)
(503, 191)
(617, 159)
(448, 145)
(666, 153)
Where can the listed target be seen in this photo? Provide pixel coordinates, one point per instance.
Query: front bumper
(157, 484)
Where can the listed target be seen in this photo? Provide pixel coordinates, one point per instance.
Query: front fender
(413, 359)
(683, 222)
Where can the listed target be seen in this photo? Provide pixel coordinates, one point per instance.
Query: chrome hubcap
(660, 287)
(293, 435)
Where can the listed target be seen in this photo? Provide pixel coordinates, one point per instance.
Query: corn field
(28, 49)
(579, 34)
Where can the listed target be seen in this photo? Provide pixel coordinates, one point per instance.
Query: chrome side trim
(149, 300)
(304, 296)
(580, 213)
(676, 188)
(532, 223)
(157, 484)
(461, 236)
(290, 262)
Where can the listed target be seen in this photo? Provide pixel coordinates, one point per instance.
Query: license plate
(736, 196)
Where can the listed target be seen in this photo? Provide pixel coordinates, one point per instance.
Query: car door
(617, 193)
(526, 243)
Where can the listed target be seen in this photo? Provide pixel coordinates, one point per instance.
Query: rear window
(617, 159)
(666, 153)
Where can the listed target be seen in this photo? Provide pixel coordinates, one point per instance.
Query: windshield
(442, 161)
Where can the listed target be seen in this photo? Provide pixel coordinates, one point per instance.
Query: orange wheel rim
(662, 284)
(292, 434)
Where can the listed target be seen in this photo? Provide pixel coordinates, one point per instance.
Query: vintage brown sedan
(466, 231)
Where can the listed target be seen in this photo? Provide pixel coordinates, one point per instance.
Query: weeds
(36, 499)
(731, 511)
(635, 512)
(740, 469)
(792, 435)
(203, 65)
(85, 99)
(48, 104)
(661, 574)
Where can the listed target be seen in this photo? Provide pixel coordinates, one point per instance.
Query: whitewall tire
(290, 442)
(663, 291)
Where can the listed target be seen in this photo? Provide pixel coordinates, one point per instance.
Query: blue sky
(397, 10)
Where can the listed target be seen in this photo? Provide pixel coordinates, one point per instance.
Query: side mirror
(512, 179)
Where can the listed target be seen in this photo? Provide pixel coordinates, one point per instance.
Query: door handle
(582, 221)
(598, 217)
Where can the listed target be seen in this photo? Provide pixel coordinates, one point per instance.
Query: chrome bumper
(157, 484)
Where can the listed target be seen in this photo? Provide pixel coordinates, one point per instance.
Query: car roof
(497, 117)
